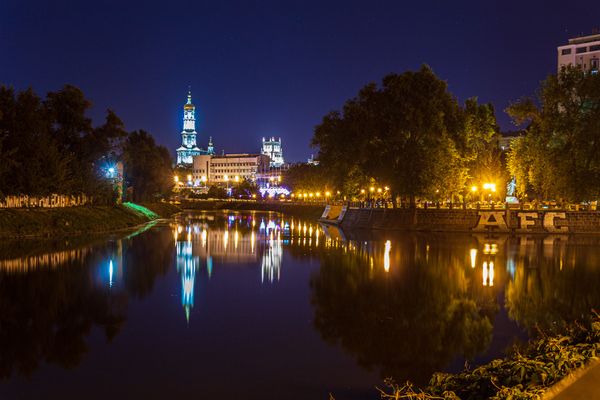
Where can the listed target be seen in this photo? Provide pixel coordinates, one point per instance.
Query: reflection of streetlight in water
(386, 256)
(488, 273)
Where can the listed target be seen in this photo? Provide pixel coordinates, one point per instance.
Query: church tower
(188, 147)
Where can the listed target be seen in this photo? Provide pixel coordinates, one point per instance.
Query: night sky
(275, 68)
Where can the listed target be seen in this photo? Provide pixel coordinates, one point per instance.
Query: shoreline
(33, 223)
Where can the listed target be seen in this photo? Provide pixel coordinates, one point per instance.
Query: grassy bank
(526, 374)
(306, 211)
(50, 222)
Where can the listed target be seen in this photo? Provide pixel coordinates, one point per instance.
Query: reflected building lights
(271, 260)
(186, 265)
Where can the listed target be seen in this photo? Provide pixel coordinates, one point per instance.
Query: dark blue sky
(275, 68)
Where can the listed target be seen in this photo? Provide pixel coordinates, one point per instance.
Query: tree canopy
(559, 157)
(410, 134)
(50, 146)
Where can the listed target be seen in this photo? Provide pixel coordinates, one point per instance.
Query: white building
(211, 169)
(189, 148)
(272, 148)
(583, 51)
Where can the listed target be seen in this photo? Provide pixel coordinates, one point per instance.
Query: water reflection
(404, 305)
(52, 296)
(441, 298)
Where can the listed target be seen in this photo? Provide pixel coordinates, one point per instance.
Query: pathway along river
(261, 306)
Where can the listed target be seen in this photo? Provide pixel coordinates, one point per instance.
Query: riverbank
(534, 372)
(306, 211)
(53, 222)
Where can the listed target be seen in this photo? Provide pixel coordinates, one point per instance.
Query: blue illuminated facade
(189, 148)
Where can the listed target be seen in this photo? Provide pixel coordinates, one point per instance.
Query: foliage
(307, 178)
(50, 146)
(409, 134)
(559, 157)
(147, 167)
(480, 148)
(216, 192)
(526, 374)
(244, 189)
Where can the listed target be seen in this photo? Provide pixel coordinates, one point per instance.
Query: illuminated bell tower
(188, 147)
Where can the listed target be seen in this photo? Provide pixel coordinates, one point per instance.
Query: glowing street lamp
(176, 179)
(473, 189)
(490, 186)
(237, 178)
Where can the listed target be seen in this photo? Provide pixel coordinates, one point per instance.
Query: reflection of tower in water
(186, 266)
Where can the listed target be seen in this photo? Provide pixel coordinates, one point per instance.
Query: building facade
(189, 147)
(583, 51)
(272, 148)
(209, 169)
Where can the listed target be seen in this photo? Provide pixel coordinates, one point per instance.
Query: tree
(479, 144)
(244, 189)
(307, 178)
(560, 154)
(403, 134)
(147, 167)
(216, 192)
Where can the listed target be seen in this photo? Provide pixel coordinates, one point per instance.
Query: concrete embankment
(307, 211)
(472, 220)
(50, 222)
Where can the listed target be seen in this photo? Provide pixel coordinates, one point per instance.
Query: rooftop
(585, 39)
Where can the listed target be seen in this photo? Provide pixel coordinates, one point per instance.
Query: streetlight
(226, 178)
(237, 178)
(176, 179)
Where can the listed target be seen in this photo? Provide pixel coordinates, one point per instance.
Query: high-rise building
(272, 148)
(189, 148)
(583, 51)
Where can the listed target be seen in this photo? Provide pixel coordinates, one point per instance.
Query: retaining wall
(459, 220)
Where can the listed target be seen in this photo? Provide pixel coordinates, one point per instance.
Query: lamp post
(226, 178)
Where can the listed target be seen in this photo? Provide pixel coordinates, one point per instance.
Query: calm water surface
(262, 306)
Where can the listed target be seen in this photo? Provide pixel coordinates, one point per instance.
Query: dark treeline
(50, 146)
(410, 133)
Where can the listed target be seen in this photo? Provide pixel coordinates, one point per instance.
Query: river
(256, 305)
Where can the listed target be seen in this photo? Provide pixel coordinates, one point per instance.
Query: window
(580, 50)
(595, 47)
(594, 64)
(565, 52)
